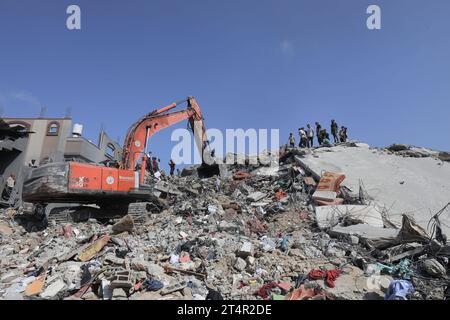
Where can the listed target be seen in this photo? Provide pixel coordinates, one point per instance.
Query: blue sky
(251, 64)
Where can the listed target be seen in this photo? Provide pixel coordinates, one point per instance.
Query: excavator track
(140, 211)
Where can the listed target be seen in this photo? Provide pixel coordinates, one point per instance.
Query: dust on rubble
(254, 232)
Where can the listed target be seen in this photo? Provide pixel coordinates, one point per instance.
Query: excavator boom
(147, 126)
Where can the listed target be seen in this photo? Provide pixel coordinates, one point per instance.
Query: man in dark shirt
(334, 131)
(172, 167)
(318, 133)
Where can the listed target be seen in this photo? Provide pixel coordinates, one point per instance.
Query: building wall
(41, 145)
(82, 149)
(53, 146)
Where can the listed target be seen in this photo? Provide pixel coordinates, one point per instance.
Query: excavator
(103, 192)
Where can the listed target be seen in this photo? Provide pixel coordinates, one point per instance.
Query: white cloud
(287, 48)
(26, 97)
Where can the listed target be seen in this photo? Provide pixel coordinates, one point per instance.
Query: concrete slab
(424, 191)
(364, 231)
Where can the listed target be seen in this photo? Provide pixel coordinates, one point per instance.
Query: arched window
(110, 150)
(53, 129)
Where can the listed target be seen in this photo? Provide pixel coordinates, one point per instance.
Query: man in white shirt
(303, 138)
(310, 134)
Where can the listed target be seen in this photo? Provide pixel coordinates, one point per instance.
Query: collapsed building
(311, 227)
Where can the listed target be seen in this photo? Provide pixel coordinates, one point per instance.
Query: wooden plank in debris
(93, 249)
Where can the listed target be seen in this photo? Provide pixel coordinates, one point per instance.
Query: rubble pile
(281, 232)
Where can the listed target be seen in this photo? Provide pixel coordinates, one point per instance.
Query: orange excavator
(118, 189)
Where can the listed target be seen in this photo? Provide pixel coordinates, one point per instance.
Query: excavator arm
(147, 126)
(74, 182)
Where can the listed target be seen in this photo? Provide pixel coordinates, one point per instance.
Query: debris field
(290, 231)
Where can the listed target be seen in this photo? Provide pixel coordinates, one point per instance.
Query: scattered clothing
(280, 195)
(329, 275)
(304, 293)
(399, 290)
(152, 285)
(264, 291)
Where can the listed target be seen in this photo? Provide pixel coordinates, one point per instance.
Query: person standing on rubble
(172, 167)
(345, 134)
(334, 131)
(155, 164)
(149, 165)
(310, 135)
(291, 140)
(303, 138)
(318, 133)
(342, 134)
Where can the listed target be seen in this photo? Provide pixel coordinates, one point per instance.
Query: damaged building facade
(47, 140)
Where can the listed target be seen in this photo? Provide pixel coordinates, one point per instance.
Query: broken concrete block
(173, 288)
(114, 260)
(364, 231)
(256, 196)
(54, 289)
(183, 235)
(166, 187)
(124, 224)
(178, 220)
(329, 216)
(324, 195)
(227, 226)
(119, 294)
(245, 250)
(121, 279)
(138, 264)
(250, 260)
(240, 264)
(5, 230)
(155, 270)
(354, 240)
(349, 285)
